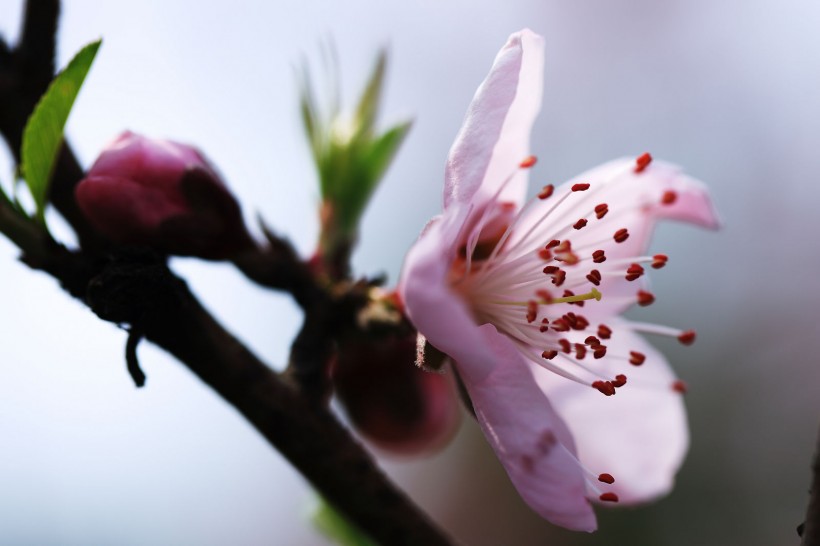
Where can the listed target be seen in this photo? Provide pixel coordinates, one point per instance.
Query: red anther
(569, 258)
(552, 244)
(599, 352)
(636, 358)
(580, 351)
(532, 311)
(551, 269)
(559, 277)
(545, 325)
(645, 298)
(569, 294)
(594, 277)
(619, 381)
(549, 355)
(581, 323)
(679, 386)
(601, 210)
(508, 206)
(687, 337)
(580, 223)
(528, 162)
(565, 345)
(669, 197)
(560, 325)
(642, 162)
(605, 387)
(580, 187)
(564, 246)
(545, 296)
(606, 478)
(659, 260)
(598, 256)
(609, 497)
(546, 192)
(634, 272)
(621, 235)
(545, 254)
(604, 331)
(592, 341)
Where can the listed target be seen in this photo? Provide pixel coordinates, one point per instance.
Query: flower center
(522, 270)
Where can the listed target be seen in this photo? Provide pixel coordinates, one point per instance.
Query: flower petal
(639, 435)
(515, 416)
(530, 440)
(437, 312)
(495, 135)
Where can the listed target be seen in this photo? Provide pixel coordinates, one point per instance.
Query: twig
(306, 433)
(811, 529)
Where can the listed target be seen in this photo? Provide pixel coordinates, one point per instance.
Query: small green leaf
(334, 526)
(43, 133)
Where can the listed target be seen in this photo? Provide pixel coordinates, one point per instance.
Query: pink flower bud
(395, 405)
(162, 194)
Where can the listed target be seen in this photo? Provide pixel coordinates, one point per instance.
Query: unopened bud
(164, 195)
(397, 406)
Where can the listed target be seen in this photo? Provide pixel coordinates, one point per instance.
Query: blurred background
(728, 89)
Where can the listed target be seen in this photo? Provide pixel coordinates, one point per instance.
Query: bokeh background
(729, 89)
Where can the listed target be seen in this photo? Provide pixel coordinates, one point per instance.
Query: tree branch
(811, 530)
(136, 287)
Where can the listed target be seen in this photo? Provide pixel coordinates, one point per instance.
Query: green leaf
(368, 107)
(334, 526)
(43, 133)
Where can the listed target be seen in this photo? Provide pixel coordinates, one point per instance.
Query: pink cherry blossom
(525, 297)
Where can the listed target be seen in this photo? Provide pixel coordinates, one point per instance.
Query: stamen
(598, 257)
(636, 358)
(594, 277)
(580, 223)
(659, 260)
(546, 192)
(621, 235)
(645, 298)
(549, 355)
(580, 187)
(680, 386)
(606, 478)
(687, 337)
(642, 162)
(609, 497)
(601, 210)
(545, 254)
(620, 380)
(604, 331)
(669, 197)
(532, 311)
(528, 162)
(634, 272)
(605, 387)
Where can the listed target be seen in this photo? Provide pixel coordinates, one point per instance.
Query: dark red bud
(397, 406)
(164, 195)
